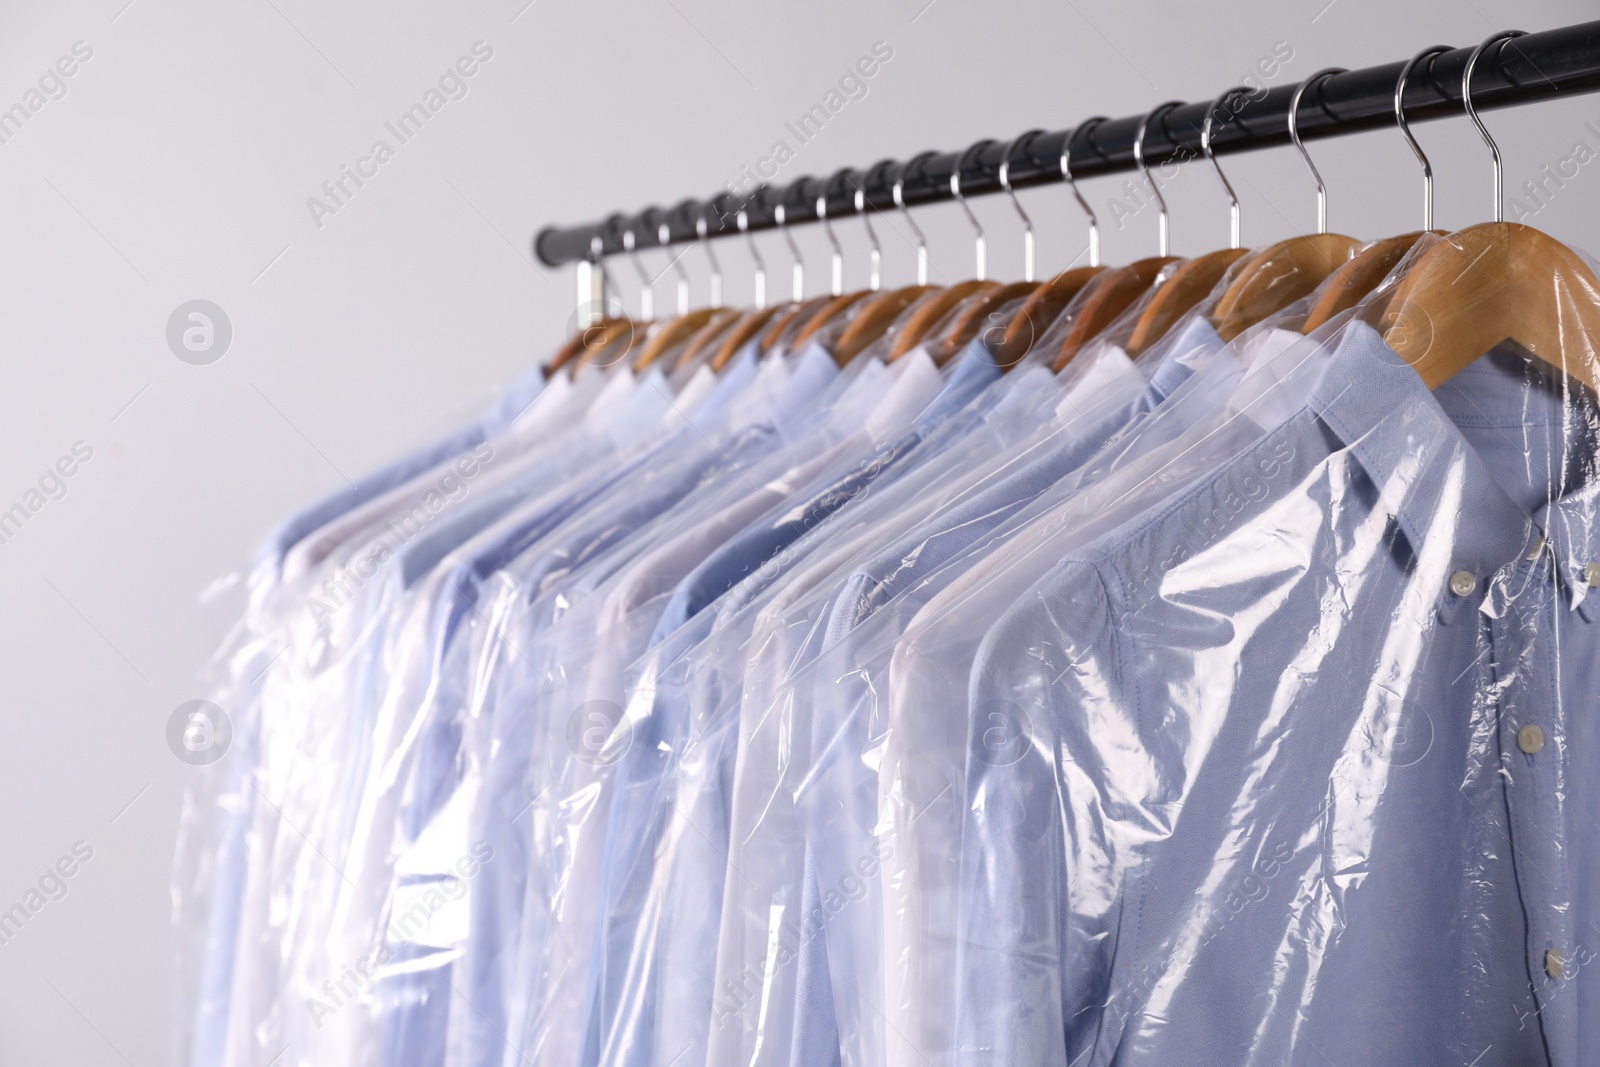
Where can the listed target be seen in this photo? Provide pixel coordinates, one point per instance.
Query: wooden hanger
(835, 308)
(742, 333)
(591, 338)
(1494, 282)
(875, 319)
(1490, 283)
(1112, 293)
(1291, 269)
(721, 320)
(1104, 300)
(1197, 279)
(974, 315)
(670, 334)
(1365, 271)
(788, 320)
(1358, 276)
(1191, 283)
(1277, 277)
(929, 311)
(1038, 311)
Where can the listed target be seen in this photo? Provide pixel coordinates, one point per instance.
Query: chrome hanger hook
(1294, 135)
(664, 237)
(875, 281)
(1472, 113)
(647, 291)
(1086, 126)
(755, 254)
(799, 268)
(980, 244)
(1227, 187)
(836, 281)
(1027, 223)
(1138, 158)
(876, 274)
(1405, 127)
(900, 202)
(716, 268)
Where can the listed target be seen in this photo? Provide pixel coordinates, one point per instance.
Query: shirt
(1278, 729)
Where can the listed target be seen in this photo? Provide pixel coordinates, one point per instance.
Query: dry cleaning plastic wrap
(1277, 770)
(1234, 704)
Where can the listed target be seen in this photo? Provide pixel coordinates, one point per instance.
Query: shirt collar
(973, 372)
(1429, 474)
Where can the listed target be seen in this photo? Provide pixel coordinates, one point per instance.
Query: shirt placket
(1523, 629)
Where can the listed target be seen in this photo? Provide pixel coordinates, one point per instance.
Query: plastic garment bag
(665, 856)
(212, 858)
(328, 700)
(537, 594)
(745, 1018)
(1323, 802)
(587, 643)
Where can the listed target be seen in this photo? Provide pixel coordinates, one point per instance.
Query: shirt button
(1462, 583)
(1554, 965)
(1591, 573)
(1530, 739)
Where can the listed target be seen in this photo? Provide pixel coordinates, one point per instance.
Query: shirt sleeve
(1039, 891)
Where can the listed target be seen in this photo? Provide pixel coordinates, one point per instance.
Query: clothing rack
(1521, 70)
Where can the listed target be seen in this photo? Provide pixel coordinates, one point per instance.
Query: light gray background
(178, 166)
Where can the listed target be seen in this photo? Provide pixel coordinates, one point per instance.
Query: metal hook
(876, 279)
(799, 268)
(1472, 113)
(1205, 146)
(647, 291)
(1405, 128)
(716, 268)
(1294, 135)
(664, 237)
(836, 281)
(980, 244)
(899, 202)
(755, 254)
(1027, 223)
(1138, 159)
(1087, 125)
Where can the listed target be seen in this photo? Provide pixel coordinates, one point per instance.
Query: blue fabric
(232, 862)
(899, 568)
(637, 819)
(1283, 817)
(584, 529)
(973, 373)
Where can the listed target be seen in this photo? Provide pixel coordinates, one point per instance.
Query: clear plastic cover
(1205, 706)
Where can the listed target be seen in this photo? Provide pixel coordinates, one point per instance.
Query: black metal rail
(1538, 66)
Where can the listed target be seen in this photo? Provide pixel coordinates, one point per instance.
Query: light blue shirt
(1274, 798)
(620, 1003)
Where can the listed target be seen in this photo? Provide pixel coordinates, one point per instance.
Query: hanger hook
(1205, 146)
(1138, 158)
(875, 282)
(1294, 135)
(1472, 113)
(799, 269)
(743, 219)
(1405, 127)
(1027, 223)
(980, 244)
(711, 257)
(900, 202)
(836, 285)
(1086, 126)
(664, 238)
(647, 292)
